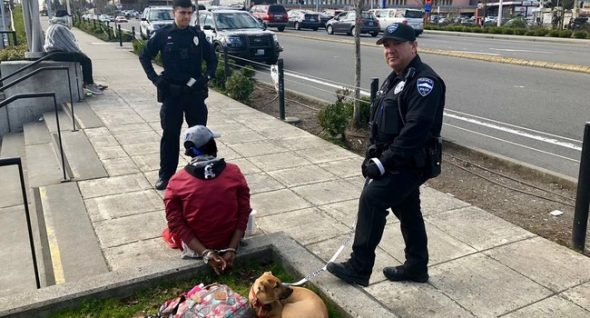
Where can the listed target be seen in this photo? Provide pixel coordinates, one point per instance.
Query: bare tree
(356, 117)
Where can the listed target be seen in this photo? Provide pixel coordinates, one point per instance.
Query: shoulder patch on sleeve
(424, 86)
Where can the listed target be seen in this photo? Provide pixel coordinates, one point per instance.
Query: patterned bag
(211, 301)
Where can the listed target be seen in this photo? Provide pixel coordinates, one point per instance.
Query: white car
(154, 18)
(412, 17)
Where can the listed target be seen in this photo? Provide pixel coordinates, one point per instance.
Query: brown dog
(271, 299)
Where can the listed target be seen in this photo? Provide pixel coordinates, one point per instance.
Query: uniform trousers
(400, 191)
(192, 106)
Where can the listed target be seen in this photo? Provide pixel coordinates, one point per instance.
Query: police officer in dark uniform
(182, 89)
(405, 150)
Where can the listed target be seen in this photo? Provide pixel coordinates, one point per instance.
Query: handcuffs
(207, 252)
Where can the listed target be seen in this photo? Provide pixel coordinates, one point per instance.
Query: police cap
(398, 32)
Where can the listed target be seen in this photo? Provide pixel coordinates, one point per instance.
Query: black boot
(345, 272)
(161, 184)
(399, 274)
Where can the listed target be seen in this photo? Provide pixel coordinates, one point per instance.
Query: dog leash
(318, 271)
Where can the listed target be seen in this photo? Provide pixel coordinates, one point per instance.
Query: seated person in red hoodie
(207, 203)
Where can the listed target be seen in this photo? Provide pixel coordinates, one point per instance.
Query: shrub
(13, 53)
(496, 30)
(19, 24)
(240, 85)
(467, 29)
(565, 33)
(530, 33)
(334, 118)
(580, 34)
(554, 33)
(519, 31)
(477, 30)
(220, 76)
(541, 32)
(507, 31)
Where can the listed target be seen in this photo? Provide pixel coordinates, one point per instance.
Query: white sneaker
(94, 89)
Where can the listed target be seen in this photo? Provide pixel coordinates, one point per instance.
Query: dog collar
(260, 310)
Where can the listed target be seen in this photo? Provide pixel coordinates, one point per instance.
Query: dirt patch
(511, 193)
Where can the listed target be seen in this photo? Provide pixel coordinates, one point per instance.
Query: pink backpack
(211, 301)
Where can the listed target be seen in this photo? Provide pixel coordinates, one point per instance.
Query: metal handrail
(17, 161)
(20, 96)
(41, 69)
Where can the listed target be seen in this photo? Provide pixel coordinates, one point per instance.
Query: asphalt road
(533, 115)
(529, 114)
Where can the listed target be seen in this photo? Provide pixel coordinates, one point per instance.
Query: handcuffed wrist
(379, 165)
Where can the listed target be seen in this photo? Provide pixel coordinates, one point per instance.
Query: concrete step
(65, 121)
(36, 133)
(43, 162)
(17, 274)
(13, 145)
(82, 160)
(85, 116)
(73, 244)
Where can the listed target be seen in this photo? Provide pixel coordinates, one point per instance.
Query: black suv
(240, 33)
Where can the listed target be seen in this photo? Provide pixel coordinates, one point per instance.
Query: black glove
(161, 83)
(372, 169)
(364, 167)
(372, 152)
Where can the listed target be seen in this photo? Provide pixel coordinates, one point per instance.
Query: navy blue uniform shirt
(403, 131)
(182, 51)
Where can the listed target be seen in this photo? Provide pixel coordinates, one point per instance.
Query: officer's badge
(424, 86)
(392, 27)
(399, 87)
(196, 40)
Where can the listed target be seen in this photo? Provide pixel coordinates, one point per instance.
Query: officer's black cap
(182, 3)
(399, 32)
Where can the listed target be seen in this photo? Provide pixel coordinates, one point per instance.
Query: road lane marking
(517, 132)
(515, 126)
(522, 51)
(513, 143)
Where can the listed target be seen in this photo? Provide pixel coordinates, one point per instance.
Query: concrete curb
(276, 247)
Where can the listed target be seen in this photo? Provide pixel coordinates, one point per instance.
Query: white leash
(320, 270)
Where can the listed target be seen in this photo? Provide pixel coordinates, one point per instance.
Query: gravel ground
(515, 194)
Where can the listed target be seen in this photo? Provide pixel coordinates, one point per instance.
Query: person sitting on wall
(207, 203)
(60, 41)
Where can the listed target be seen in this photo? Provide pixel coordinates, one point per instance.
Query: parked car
(105, 18)
(273, 15)
(154, 18)
(412, 17)
(120, 19)
(301, 19)
(239, 32)
(345, 23)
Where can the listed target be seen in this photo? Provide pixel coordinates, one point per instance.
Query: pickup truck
(411, 17)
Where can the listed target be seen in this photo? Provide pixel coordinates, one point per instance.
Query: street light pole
(499, 14)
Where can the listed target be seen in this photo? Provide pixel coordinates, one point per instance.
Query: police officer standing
(182, 89)
(405, 150)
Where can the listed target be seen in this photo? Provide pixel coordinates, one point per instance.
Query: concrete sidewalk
(481, 265)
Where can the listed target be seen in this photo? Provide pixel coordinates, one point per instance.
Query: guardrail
(14, 40)
(17, 161)
(21, 96)
(41, 69)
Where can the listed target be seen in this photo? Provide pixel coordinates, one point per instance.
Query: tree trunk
(356, 117)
